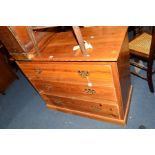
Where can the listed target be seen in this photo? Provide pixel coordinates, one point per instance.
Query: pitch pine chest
(96, 85)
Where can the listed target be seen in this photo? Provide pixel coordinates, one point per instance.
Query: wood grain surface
(97, 86)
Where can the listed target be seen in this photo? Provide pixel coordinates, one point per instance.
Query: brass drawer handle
(89, 91)
(37, 70)
(83, 74)
(58, 102)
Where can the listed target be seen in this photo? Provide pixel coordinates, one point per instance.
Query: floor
(22, 107)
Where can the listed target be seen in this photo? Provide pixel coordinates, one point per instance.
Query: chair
(135, 29)
(142, 47)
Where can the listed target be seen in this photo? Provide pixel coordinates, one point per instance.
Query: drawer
(83, 72)
(84, 92)
(108, 110)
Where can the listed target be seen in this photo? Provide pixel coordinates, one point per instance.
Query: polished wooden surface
(46, 77)
(97, 86)
(77, 90)
(70, 72)
(19, 43)
(123, 72)
(101, 108)
(75, 85)
(96, 116)
(105, 40)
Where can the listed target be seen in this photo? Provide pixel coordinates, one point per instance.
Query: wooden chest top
(105, 40)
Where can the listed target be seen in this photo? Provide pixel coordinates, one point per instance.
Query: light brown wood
(80, 40)
(76, 90)
(98, 117)
(99, 73)
(32, 36)
(121, 75)
(20, 44)
(81, 105)
(106, 42)
(124, 72)
(97, 86)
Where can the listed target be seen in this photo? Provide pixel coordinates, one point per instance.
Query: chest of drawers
(97, 86)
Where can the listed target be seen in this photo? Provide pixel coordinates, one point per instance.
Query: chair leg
(149, 77)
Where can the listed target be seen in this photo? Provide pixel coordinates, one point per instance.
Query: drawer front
(95, 73)
(103, 108)
(98, 93)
